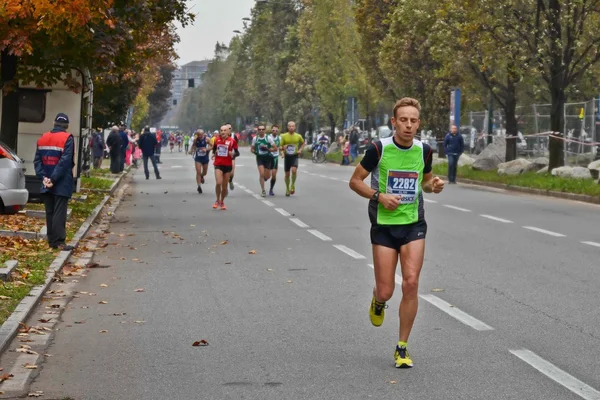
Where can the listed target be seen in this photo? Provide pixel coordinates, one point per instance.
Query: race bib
(200, 153)
(222, 150)
(291, 149)
(263, 149)
(403, 183)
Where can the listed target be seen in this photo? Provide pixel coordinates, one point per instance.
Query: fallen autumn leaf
(200, 343)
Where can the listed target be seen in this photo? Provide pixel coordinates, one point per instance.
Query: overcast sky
(215, 21)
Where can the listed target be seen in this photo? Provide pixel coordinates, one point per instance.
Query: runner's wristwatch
(375, 196)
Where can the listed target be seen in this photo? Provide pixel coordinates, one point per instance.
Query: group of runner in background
(224, 148)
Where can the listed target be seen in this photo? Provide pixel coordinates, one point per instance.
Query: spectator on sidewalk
(54, 162)
(354, 139)
(98, 148)
(148, 144)
(454, 146)
(124, 146)
(115, 143)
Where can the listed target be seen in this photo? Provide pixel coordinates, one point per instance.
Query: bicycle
(319, 152)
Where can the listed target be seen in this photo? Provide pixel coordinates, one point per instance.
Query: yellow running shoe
(377, 312)
(402, 358)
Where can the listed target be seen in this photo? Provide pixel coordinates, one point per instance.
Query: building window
(32, 106)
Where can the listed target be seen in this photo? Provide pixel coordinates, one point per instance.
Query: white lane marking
(398, 277)
(322, 176)
(456, 313)
(320, 235)
(248, 191)
(346, 181)
(533, 228)
(267, 202)
(257, 196)
(283, 212)
(299, 223)
(241, 186)
(348, 251)
(496, 218)
(557, 375)
(176, 166)
(429, 201)
(592, 244)
(457, 208)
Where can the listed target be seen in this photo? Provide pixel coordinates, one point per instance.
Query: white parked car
(13, 195)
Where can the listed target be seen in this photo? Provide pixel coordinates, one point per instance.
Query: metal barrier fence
(580, 135)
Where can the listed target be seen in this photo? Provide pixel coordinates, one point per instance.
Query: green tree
(563, 36)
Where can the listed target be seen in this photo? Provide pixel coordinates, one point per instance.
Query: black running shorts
(289, 162)
(225, 168)
(396, 236)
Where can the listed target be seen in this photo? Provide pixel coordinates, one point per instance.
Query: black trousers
(115, 162)
(56, 218)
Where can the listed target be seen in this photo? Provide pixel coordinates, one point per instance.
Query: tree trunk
(557, 85)
(9, 125)
(331, 125)
(556, 145)
(511, 122)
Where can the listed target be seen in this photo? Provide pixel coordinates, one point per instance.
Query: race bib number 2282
(403, 183)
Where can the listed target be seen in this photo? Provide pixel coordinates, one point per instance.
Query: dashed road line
(349, 251)
(320, 235)
(496, 218)
(456, 313)
(592, 244)
(267, 202)
(299, 223)
(557, 375)
(540, 230)
(457, 208)
(429, 201)
(283, 212)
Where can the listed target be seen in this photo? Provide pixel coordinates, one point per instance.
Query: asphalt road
(291, 321)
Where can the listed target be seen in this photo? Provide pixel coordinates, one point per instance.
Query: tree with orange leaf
(40, 39)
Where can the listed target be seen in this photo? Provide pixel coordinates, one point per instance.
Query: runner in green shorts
(277, 140)
(262, 147)
(401, 170)
(291, 145)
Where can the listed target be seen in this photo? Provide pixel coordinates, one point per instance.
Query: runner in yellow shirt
(292, 145)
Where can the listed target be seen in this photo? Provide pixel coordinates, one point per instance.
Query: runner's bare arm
(357, 182)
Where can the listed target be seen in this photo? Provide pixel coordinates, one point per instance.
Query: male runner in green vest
(400, 168)
(275, 166)
(262, 146)
(292, 144)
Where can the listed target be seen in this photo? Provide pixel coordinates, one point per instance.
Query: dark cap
(60, 117)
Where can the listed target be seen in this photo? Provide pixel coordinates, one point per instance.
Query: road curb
(540, 192)
(10, 327)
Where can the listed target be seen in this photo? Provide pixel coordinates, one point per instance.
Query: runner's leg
(273, 176)
(231, 175)
(224, 190)
(219, 182)
(198, 172)
(385, 260)
(294, 172)
(411, 261)
(261, 174)
(204, 172)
